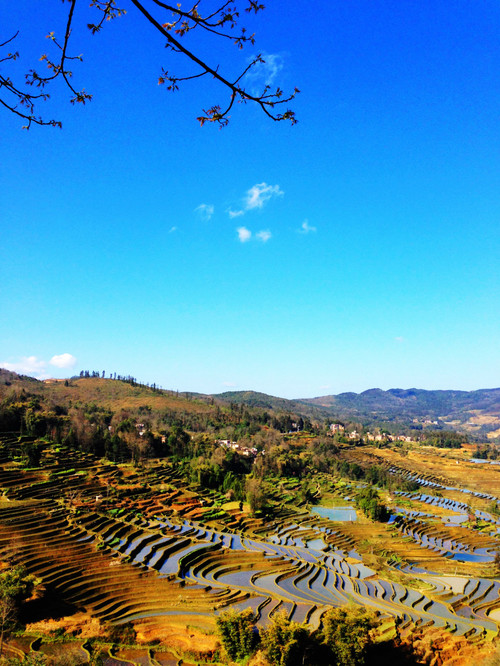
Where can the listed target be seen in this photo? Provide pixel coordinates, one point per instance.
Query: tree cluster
(375, 475)
(343, 640)
(443, 439)
(368, 501)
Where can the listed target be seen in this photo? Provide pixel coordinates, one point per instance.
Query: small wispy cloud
(235, 213)
(399, 339)
(63, 361)
(265, 73)
(260, 194)
(205, 211)
(306, 228)
(172, 229)
(256, 198)
(264, 236)
(244, 234)
(229, 384)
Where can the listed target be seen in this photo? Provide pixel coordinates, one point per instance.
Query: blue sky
(365, 251)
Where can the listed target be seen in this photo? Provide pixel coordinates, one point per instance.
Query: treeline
(24, 412)
(126, 379)
(374, 475)
(487, 452)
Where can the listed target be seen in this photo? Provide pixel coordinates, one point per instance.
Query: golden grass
(112, 394)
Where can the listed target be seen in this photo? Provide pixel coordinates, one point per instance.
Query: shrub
(122, 634)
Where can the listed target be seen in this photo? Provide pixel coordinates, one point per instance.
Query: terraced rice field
(125, 547)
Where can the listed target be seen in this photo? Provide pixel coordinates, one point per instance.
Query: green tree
(32, 453)
(285, 642)
(237, 633)
(346, 632)
(255, 496)
(16, 585)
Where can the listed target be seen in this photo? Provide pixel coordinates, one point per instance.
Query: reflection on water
(339, 513)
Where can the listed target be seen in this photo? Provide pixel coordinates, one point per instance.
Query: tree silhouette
(173, 23)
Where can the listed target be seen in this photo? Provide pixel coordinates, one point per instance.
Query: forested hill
(413, 402)
(474, 411)
(265, 401)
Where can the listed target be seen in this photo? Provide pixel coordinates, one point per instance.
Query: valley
(139, 542)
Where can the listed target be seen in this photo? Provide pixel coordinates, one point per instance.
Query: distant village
(338, 428)
(334, 429)
(247, 451)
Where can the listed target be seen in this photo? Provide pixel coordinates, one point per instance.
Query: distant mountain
(476, 412)
(418, 403)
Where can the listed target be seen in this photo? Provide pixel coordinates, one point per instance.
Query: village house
(336, 427)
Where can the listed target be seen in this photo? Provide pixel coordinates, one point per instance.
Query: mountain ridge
(476, 412)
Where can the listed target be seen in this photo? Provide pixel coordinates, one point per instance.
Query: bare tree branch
(220, 23)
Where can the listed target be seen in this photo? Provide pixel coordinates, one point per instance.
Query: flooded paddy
(340, 514)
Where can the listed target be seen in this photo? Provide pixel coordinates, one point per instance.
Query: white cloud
(244, 234)
(265, 73)
(205, 211)
(28, 365)
(229, 384)
(37, 367)
(306, 228)
(63, 360)
(172, 229)
(264, 236)
(260, 194)
(399, 339)
(256, 197)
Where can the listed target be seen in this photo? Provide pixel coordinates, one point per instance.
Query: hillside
(474, 412)
(100, 414)
(415, 402)
(272, 403)
(111, 394)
